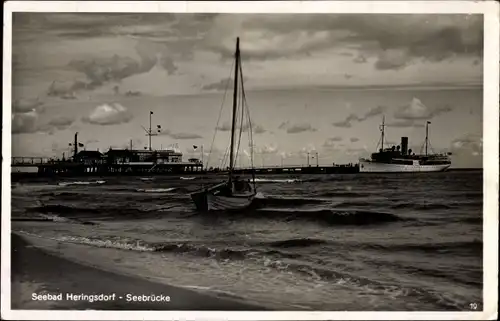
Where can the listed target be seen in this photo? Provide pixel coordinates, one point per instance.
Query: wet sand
(35, 271)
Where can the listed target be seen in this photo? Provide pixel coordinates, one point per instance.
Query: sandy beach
(35, 271)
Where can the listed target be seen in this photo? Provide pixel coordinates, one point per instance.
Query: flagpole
(202, 157)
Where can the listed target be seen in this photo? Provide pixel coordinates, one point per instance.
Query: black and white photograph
(258, 161)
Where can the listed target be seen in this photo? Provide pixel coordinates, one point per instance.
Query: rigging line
(240, 104)
(220, 113)
(249, 119)
(225, 157)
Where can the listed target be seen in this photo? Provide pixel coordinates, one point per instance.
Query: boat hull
(208, 200)
(223, 203)
(374, 167)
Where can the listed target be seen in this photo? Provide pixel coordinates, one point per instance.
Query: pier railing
(30, 160)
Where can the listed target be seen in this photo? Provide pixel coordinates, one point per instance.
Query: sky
(316, 84)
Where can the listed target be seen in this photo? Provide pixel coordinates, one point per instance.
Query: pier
(49, 167)
(43, 166)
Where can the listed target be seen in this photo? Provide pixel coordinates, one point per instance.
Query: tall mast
(426, 136)
(382, 128)
(235, 105)
(75, 145)
(150, 114)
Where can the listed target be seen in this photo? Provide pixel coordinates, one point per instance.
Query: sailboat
(233, 193)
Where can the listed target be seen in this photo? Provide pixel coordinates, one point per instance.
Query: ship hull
(374, 167)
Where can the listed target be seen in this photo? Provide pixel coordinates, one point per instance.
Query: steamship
(401, 159)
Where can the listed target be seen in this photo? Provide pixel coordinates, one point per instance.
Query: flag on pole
(80, 145)
(195, 147)
(159, 126)
(151, 113)
(428, 122)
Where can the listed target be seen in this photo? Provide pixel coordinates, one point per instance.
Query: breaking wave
(156, 190)
(269, 180)
(81, 183)
(271, 259)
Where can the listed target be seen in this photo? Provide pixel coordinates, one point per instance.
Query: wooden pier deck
(49, 167)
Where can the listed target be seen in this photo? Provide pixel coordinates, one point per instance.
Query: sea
(353, 242)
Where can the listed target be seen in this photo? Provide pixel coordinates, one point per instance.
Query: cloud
(285, 154)
(91, 141)
(472, 142)
(108, 114)
(27, 105)
(403, 37)
(102, 70)
(362, 151)
(360, 59)
(329, 144)
(405, 123)
(296, 128)
(61, 122)
(184, 135)
(347, 122)
(310, 148)
(467, 151)
(58, 123)
(392, 59)
(220, 85)
(256, 128)
(266, 149)
(180, 135)
(416, 110)
(25, 123)
(354, 139)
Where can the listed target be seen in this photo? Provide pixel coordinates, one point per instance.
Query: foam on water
(80, 183)
(155, 190)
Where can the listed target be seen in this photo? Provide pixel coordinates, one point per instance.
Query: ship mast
(426, 136)
(75, 145)
(382, 129)
(235, 105)
(149, 132)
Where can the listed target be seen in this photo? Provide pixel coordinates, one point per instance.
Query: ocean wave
(187, 178)
(81, 183)
(471, 220)
(343, 278)
(436, 248)
(330, 217)
(155, 190)
(344, 193)
(302, 242)
(179, 247)
(274, 180)
(430, 206)
(85, 212)
(263, 201)
(146, 178)
(360, 203)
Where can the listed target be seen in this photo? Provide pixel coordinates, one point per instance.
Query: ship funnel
(404, 145)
